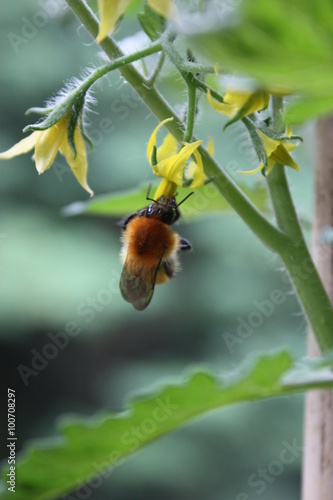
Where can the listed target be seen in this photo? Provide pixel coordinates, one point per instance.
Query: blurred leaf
(205, 200)
(285, 45)
(312, 107)
(89, 448)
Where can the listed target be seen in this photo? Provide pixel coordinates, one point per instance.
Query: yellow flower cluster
(47, 143)
(173, 166)
(277, 151)
(111, 10)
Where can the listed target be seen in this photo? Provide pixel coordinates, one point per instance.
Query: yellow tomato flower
(165, 8)
(277, 151)
(47, 143)
(172, 165)
(240, 102)
(110, 11)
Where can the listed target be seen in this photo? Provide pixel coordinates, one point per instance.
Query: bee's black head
(163, 209)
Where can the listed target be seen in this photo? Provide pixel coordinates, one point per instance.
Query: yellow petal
(290, 146)
(48, 144)
(198, 173)
(281, 155)
(221, 107)
(79, 164)
(172, 168)
(21, 147)
(210, 146)
(169, 147)
(269, 144)
(165, 8)
(194, 170)
(152, 140)
(250, 172)
(289, 131)
(165, 188)
(250, 101)
(270, 164)
(277, 151)
(109, 12)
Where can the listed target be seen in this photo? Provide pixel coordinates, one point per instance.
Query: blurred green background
(53, 267)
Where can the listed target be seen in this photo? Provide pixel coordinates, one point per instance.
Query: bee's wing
(138, 288)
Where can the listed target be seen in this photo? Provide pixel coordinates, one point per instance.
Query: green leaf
(205, 200)
(306, 108)
(284, 45)
(89, 448)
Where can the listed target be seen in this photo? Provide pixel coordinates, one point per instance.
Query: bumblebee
(150, 249)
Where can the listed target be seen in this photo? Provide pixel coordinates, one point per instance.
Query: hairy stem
(191, 108)
(296, 255)
(152, 78)
(120, 62)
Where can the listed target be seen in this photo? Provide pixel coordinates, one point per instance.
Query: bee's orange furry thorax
(147, 240)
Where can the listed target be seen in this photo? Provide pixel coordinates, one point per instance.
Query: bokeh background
(53, 268)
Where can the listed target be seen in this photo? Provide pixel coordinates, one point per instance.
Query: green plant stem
(152, 78)
(120, 62)
(295, 254)
(270, 235)
(191, 108)
(204, 87)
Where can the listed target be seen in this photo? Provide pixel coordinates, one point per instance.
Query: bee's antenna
(148, 191)
(184, 199)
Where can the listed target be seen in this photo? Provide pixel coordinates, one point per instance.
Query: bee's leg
(169, 269)
(184, 244)
(123, 223)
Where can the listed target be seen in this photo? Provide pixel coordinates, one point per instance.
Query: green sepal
(152, 23)
(73, 120)
(278, 137)
(210, 179)
(85, 136)
(256, 141)
(240, 113)
(59, 110)
(187, 183)
(39, 111)
(238, 116)
(153, 158)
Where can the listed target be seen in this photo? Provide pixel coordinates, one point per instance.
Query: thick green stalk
(296, 255)
(271, 236)
(191, 108)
